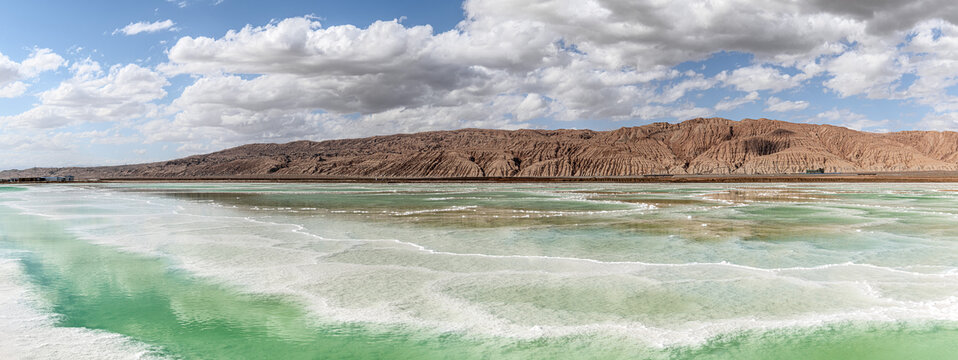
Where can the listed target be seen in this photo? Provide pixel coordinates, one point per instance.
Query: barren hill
(698, 146)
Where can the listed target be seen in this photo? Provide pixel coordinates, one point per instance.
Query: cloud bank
(513, 63)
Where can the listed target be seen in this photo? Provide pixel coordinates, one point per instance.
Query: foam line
(300, 229)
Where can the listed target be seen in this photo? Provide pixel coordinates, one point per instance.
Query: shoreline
(903, 177)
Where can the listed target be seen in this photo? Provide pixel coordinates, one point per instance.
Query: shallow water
(481, 271)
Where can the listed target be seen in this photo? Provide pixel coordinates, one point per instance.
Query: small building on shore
(41, 179)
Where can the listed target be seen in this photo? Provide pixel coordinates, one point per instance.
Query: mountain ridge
(708, 146)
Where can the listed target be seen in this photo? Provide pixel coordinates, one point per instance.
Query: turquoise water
(575, 271)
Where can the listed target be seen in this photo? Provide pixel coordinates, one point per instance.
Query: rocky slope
(698, 146)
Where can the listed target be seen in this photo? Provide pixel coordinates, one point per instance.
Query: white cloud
(27, 148)
(870, 71)
(41, 60)
(301, 46)
(146, 27)
(684, 111)
(579, 91)
(730, 104)
(620, 33)
(12, 73)
(779, 105)
(566, 60)
(179, 3)
(934, 64)
(759, 78)
(940, 121)
(92, 95)
(344, 68)
(509, 63)
(694, 82)
(532, 106)
(852, 120)
(13, 89)
(9, 70)
(220, 126)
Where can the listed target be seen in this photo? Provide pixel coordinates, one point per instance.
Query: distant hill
(698, 146)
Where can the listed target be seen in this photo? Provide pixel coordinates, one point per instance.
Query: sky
(112, 82)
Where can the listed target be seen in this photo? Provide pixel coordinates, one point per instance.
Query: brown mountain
(698, 146)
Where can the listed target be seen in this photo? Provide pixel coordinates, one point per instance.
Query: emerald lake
(479, 271)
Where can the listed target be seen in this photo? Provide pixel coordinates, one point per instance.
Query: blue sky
(110, 82)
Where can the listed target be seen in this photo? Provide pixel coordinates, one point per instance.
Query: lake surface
(479, 271)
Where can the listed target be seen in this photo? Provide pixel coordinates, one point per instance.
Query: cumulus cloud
(342, 68)
(693, 82)
(778, 105)
(218, 126)
(940, 121)
(302, 46)
(94, 95)
(13, 89)
(511, 63)
(566, 60)
(852, 120)
(681, 111)
(12, 74)
(621, 33)
(935, 65)
(26, 148)
(730, 104)
(300, 65)
(146, 27)
(41, 60)
(870, 71)
(756, 78)
(888, 16)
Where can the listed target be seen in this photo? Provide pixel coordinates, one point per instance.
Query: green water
(495, 271)
(101, 288)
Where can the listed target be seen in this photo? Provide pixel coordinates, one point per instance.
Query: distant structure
(41, 179)
(815, 171)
